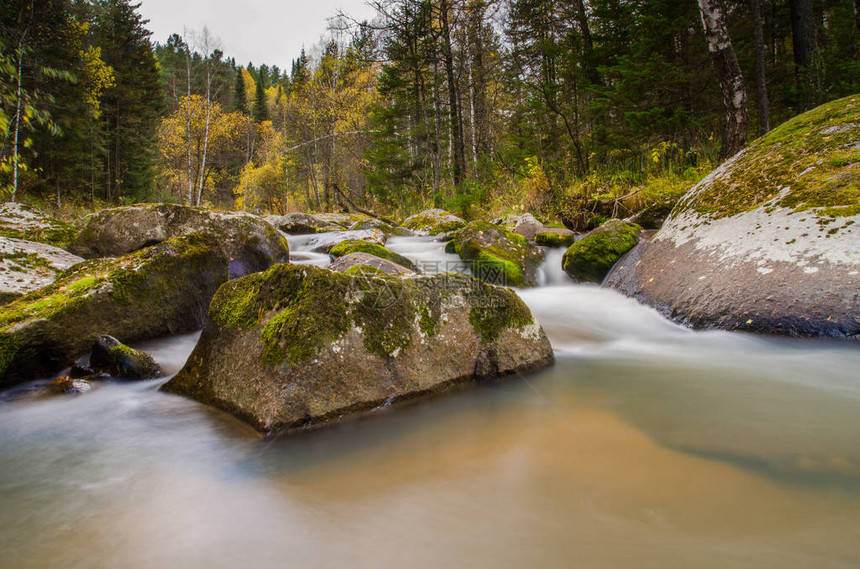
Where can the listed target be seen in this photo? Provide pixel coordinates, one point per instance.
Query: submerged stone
(300, 345)
(769, 241)
(109, 355)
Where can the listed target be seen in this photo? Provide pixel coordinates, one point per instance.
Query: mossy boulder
(497, 255)
(590, 259)
(378, 224)
(109, 355)
(360, 246)
(158, 291)
(250, 242)
(365, 263)
(433, 222)
(325, 242)
(769, 241)
(20, 221)
(555, 237)
(299, 345)
(27, 266)
(528, 226)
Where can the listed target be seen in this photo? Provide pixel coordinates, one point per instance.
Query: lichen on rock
(361, 246)
(433, 222)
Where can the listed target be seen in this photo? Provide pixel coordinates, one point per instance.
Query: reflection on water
(646, 445)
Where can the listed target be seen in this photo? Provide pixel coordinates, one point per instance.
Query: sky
(260, 31)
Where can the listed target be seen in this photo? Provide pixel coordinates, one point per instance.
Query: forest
(472, 105)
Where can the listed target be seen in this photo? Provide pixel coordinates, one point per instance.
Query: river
(645, 445)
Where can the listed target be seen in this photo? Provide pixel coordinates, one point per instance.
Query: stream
(646, 445)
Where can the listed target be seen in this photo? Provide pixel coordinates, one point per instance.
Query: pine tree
(239, 94)
(261, 107)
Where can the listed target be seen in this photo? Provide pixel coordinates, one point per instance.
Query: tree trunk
(202, 177)
(190, 196)
(587, 43)
(760, 77)
(857, 14)
(17, 123)
(729, 74)
(459, 162)
(802, 32)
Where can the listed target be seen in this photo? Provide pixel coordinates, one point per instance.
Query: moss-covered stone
(114, 358)
(298, 344)
(556, 238)
(433, 222)
(498, 255)
(361, 246)
(591, 258)
(160, 290)
(811, 162)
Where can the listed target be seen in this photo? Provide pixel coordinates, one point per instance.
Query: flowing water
(645, 445)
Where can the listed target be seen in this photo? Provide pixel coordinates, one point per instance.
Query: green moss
(815, 154)
(9, 346)
(52, 232)
(499, 256)
(434, 224)
(554, 239)
(591, 258)
(494, 310)
(27, 260)
(366, 271)
(359, 246)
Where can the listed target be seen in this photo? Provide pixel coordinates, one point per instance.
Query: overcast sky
(260, 31)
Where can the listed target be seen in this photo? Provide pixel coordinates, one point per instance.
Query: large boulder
(433, 222)
(27, 266)
(158, 291)
(363, 263)
(769, 241)
(528, 226)
(360, 246)
(250, 242)
(20, 221)
(498, 255)
(590, 259)
(300, 345)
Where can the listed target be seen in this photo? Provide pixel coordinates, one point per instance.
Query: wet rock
(28, 223)
(65, 385)
(433, 222)
(251, 243)
(324, 242)
(109, 355)
(555, 237)
(27, 266)
(590, 259)
(497, 255)
(357, 263)
(769, 241)
(79, 371)
(300, 345)
(375, 223)
(358, 246)
(158, 291)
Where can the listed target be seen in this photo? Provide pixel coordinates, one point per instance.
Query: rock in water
(590, 259)
(497, 255)
(433, 222)
(111, 356)
(300, 345)
(65, 385)
(769, 241)
(251, 243)
(27, 266)
(359, 246)
(365, 262)
(158, 291)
